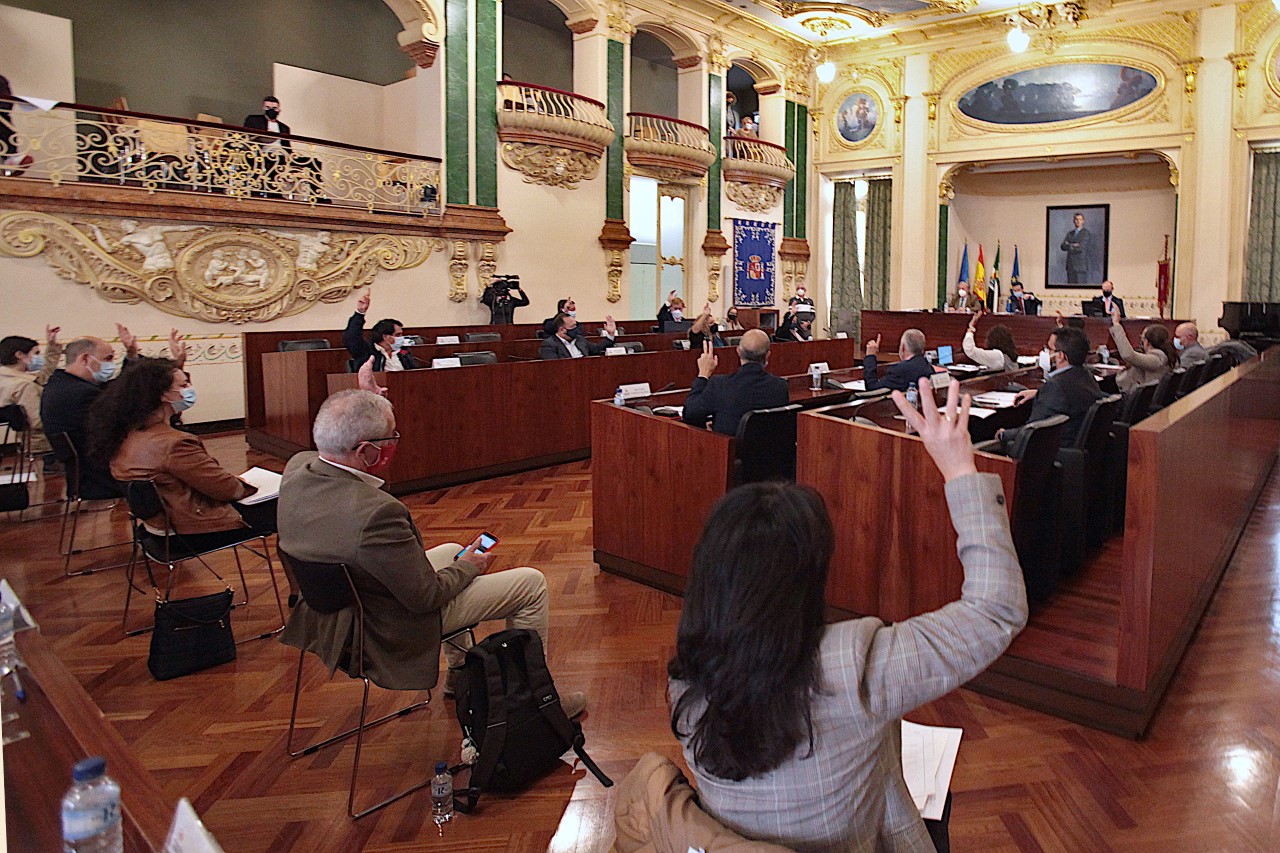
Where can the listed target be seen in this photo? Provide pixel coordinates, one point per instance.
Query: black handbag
(14, 497)
(191, 634)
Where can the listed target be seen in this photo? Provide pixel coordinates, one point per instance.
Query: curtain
(879, 237)
(1262, 263)
(846, 272)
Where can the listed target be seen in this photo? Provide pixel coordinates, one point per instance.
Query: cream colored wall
(324, 106)
(37, 54)
(1139, 221)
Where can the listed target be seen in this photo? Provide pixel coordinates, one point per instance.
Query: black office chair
(1191, 379)
(733, 341)
(631, 346)
(303, 344)
(352, 367)
(1033, 518)
(1167, 390)
(483, 357)
(327, 589)
(1137, 404)
(765, 446)
(65, 452)
(1086, 501)
(481, 337)
(171, 549)
(1218, 365)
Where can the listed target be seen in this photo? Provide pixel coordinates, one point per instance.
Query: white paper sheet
(10, 479)
(855, 385)
(929, 756)
(187, 834)
(266, 482)
(980, 413)
(1028, 360)
(999, 399)
(965, 368)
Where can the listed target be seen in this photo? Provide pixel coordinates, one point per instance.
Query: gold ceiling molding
(824, 25)
(219, 274)
(1252, 22)
(794, 8)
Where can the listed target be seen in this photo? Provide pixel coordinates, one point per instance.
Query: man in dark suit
(1069, 390)
(911, 366)
(564, 306)
(725, 399)
(1078, 244)
(282, 167)
(333, 510)
(565, 344)
(1102, 304)
(386, 342)
(1021, 302)
(269, 120)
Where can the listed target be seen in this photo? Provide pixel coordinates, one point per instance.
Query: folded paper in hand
(928, 760)
(266, 482)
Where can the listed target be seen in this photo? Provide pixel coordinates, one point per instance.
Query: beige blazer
(328, 515)
(24, 389)
(1141, 368)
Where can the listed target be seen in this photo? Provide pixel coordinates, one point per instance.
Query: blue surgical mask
(677, 314)
(35, 362)
(401, 342)
(186, 401)
(105, 372)
(573, 313)
(1177, 343)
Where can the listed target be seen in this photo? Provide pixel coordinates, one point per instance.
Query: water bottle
(8, 652)
(442, 794)
(1104, 354)
(913, 397)
(815, 377)
(91, 810)
(618, 398)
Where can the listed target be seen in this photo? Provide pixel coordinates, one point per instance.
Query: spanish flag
(980, 277)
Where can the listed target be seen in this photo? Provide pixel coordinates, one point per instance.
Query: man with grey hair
(911, 367)
(333, 510)
(1186, 338)
(725, 399)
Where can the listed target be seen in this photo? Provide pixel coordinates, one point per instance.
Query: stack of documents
(1028, 360)
(928, 759)
(965, 368)
(670, 411)
(855, 385)
(266, 482)
(995, 399)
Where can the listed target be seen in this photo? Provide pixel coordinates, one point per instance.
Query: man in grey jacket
(1186, 340)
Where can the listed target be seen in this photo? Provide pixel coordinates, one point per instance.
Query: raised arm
(1144, 360)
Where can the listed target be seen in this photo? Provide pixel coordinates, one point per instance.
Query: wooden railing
(74, 143)
(537, 114)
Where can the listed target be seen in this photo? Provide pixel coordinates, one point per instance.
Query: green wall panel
(944, 213)
(789, 194)
(486, 103)
(614, 156)
(715, 88)
(801, 222)
(457, 107)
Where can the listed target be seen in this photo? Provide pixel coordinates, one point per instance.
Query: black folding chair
(327, 589)
(171, 549)
(65, 452)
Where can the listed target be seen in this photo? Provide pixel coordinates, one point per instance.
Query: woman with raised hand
(792, 726)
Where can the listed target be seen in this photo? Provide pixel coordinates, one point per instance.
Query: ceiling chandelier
(1043, 19)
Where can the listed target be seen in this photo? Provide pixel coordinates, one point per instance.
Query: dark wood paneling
(1029, 333)
(1195, 470)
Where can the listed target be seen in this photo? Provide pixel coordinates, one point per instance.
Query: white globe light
(827, 70)
(1019, 41)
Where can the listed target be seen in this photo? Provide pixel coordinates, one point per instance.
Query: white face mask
(961, 294)
(1046, 361)
(677, 314)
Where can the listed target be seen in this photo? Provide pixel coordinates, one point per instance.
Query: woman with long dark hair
(1000, 352)
(129, 428)
(1148, 366)
(790, 725)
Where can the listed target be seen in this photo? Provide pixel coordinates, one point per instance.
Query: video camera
(503, 284)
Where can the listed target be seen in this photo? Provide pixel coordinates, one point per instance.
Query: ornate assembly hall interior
(237, 185)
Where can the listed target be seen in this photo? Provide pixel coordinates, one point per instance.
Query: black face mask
(272, 115)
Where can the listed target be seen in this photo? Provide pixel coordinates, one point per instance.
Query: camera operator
(503, 297)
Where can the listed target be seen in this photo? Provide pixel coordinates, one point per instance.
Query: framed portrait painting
(857, 117)
(1076, 243)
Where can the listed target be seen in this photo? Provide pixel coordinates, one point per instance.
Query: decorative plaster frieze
(551, 165)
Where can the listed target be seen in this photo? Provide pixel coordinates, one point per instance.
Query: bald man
(1186, 338)
(912, 366)
(725, 399)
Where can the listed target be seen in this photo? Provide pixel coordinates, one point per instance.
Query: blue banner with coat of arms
(753, 262)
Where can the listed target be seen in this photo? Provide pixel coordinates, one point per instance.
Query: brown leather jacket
(658, 812)
(196, 490)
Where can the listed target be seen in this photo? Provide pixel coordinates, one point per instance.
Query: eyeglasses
(394, 437)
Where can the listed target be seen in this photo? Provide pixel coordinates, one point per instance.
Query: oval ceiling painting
(1056, 93)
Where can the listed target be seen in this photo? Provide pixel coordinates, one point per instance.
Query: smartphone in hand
(482, 543)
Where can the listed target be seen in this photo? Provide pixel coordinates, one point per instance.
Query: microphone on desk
(521, 358)
(832, 385)
(665, 388)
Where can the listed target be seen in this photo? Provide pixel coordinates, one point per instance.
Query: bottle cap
(89, 769)
(442, 767)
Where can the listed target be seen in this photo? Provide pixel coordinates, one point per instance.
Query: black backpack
(509, 708)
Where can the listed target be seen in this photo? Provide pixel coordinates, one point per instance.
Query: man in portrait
(1078, 244)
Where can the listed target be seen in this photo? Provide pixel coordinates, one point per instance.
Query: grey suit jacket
(849, 794)
(329, 515)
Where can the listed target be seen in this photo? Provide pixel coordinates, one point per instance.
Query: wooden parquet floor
(1204, 779)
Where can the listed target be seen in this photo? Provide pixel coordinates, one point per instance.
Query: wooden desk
(656, 480)
(1029, 333)
(66, 726)
(468, 423)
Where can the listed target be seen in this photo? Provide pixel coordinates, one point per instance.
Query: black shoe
(293, 600)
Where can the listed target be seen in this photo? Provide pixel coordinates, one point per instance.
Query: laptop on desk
(946, 356)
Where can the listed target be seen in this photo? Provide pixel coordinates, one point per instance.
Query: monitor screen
(945, 356)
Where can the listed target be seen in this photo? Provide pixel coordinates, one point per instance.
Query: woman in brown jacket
(129, 426)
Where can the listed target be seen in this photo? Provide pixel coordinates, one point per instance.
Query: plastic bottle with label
(91, 810)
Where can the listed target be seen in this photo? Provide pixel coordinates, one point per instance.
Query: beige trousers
(517, 595)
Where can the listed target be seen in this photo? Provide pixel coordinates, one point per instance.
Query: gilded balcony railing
(540, 114)
(668, 146)
(91, 145)
(755, 161)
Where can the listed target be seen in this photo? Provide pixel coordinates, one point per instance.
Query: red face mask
(386, 452)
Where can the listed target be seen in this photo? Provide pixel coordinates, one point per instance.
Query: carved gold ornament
(756, 198)
(486, 264)
(550, 165)
(216, 274)
(823, 26)
(458, 272)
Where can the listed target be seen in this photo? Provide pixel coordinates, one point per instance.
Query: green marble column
(715, 124)
(457, 104)
(944, 212)
(800, 223)
(789, 193)
(613, 163)
(486, 100)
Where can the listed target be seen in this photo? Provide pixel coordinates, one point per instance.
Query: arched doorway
(537, 46)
